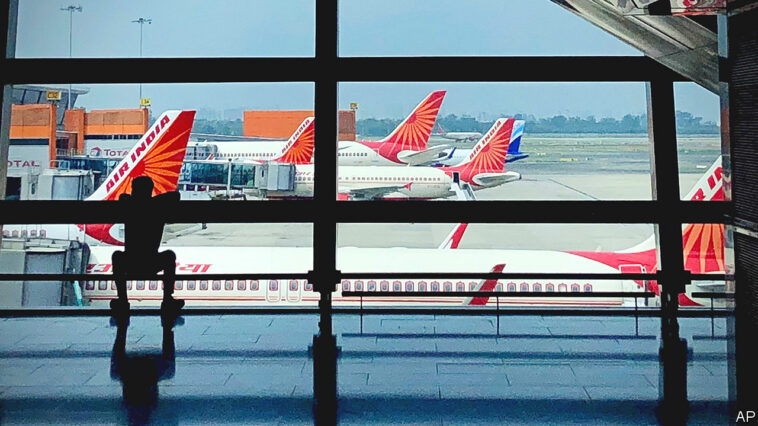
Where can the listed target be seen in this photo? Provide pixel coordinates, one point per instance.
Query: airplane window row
(249, 154)
(384, 285)
(390, 179)
(303, 178)
(352, 154)
(228, 285)
(23, 233)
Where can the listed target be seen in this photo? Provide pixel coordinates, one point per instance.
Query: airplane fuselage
(216, 260)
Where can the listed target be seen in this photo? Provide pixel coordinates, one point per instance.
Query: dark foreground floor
(396, 369)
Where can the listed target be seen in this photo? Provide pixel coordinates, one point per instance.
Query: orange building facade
(281, 124)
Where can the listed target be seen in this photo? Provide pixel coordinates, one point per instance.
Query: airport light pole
(141, 22)
(70, 9)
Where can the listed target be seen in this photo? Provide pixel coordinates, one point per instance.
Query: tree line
(686, 123)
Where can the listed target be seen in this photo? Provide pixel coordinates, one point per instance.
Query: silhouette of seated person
(142, 238)
(140, 373)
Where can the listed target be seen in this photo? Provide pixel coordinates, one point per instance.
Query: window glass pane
(71, 152)
(488, 27)
(699, 142)
(501, 141)
(107, 29)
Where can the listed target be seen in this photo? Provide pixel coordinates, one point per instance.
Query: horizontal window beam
(302, 211)
(211, 70)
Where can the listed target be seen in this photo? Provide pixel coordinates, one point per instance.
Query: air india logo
(413, 134)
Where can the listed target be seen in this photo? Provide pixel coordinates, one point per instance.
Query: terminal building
(373, 360)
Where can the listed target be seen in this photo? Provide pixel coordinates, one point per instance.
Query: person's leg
(167, 263)
(120, 267)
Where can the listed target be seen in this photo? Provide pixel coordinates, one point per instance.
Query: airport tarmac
(560, 167)
(628, 186)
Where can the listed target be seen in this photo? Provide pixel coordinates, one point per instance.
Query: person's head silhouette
(142, 187)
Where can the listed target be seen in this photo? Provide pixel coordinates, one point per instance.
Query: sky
(282, 28)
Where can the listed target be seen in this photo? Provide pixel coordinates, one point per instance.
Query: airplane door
(273, 290)
(456, 178)
(293, 291)
(636, 269)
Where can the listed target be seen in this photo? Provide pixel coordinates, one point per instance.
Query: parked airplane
(158, 154)
(703, 252)
(406, 145)
(483, 168)
(298, 149)
(457, 136)
(455, 155)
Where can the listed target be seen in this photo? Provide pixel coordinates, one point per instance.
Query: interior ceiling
(687, 45)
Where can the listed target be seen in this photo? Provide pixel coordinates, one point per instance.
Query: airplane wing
(370, 193)
(429, 155)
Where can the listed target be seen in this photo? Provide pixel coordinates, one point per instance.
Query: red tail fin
(413, 133)
(704, 242)
(299, 147)
(159, 154)
(488, 155)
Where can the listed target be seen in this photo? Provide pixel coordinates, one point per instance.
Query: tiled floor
(392, 369)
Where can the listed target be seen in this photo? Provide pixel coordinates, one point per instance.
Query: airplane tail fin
(489, 154)
(454, 238)
(299, 147)
(518, 131)
(703, 242)
(413, 133)
(158, 154)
